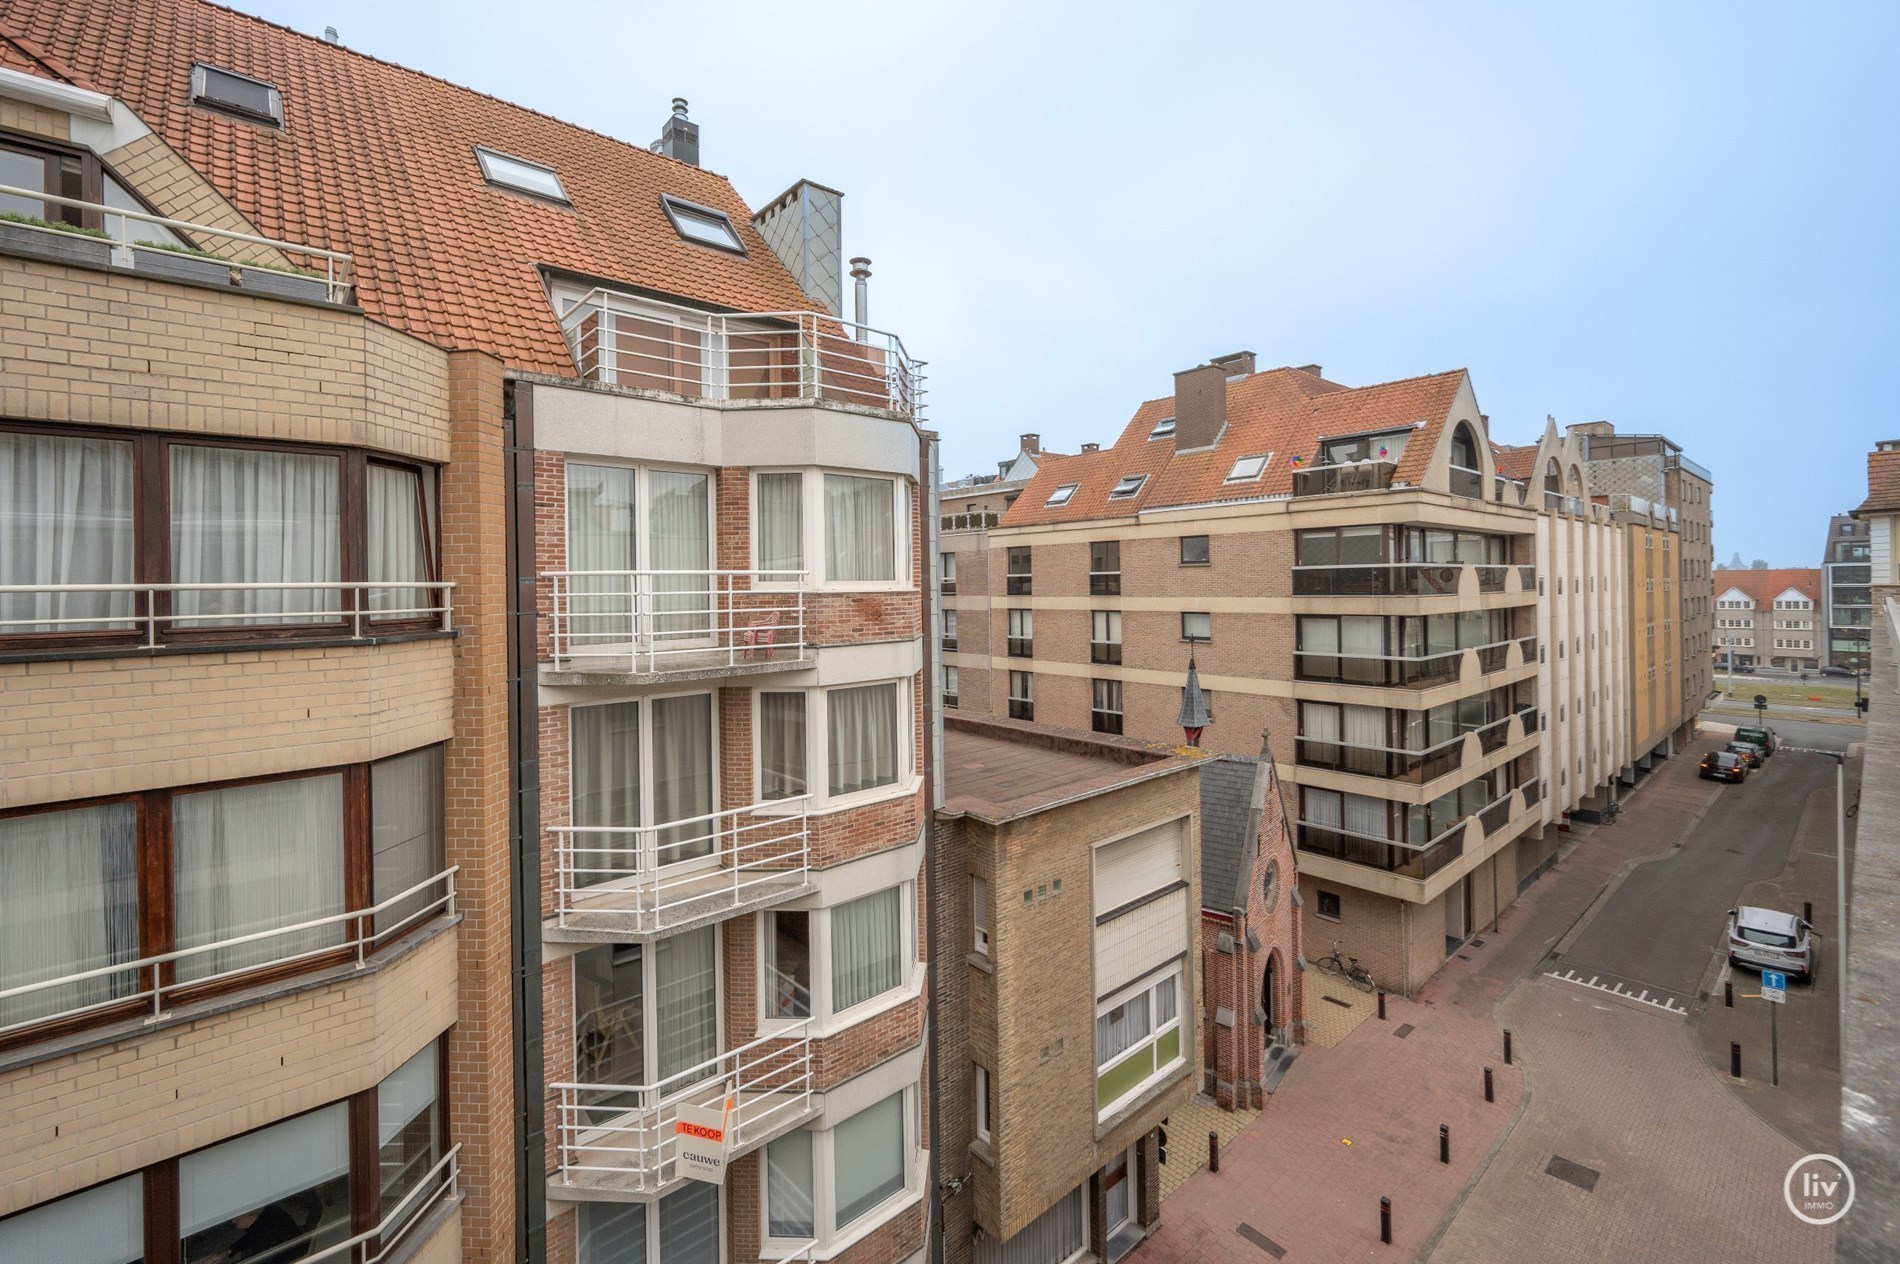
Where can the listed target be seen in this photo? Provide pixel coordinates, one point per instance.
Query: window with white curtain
(641, 778)
(253, 516)
(781, 524)
(861, 526)
(405, 829)
(608, 532)
(832, 1184)
(682, 1228)
(781, 745)
(401, 531)
(862, 731)
(66, 515)
(290, 1181)
(646, 1014)
(950, 682)
(1138, 1039)
(68, 904)
(819, 963)
(102, 1225)
(862, 737)
(982, 1094)
(253, 858)
(408, 1128)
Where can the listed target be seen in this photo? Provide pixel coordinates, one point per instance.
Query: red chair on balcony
(760, 631)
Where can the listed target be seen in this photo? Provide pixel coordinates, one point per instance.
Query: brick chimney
(1314, 369)
(1596, 428)
(1239, 364)
(1091, 447)
(1032, 444)
(1200, 407)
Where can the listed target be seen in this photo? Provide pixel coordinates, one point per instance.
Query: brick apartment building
(1353, 581)
(1846, 599)
(1769, 618)
(519, 582)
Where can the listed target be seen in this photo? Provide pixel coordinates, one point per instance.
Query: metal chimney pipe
(330, 36)
(861, 273)
(679, 107)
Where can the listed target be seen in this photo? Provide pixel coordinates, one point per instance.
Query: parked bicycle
(1349, 967)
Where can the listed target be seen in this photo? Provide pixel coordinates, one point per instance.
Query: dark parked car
(1744, 669)
(1838, 671)
(1723, 766)
(1751, 754)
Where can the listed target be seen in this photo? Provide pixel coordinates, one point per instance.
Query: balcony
(1533, 791)
(620, 1141)
(1527, 650)
(1557, 502)
(1333, 480)
(751, 357)
(1495, 815)
(134, 241)
(1491, 578)
(150, 985)
(1396, 671)
(1378, 579)
(614, 883)
(1401, 859)
(1467, 483)
(644, 626)
(1493, 737)
(1390, 763)
(214, 615)
(1527, 578)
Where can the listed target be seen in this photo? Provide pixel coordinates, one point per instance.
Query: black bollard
(1807, 911)
(1381, 1004)
(1507, 1046)
(1735, 1059)
(1728, 993)
(1213, 1151)
(1487, 1085)
(1444, 1143)
(1385, 1221)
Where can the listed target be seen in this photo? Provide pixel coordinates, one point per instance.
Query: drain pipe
(861, 273)
(927, 500)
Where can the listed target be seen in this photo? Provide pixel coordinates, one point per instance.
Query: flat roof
(998, 770)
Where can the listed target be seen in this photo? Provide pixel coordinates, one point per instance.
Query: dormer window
(228, 92)
(1163, 428)
(703, 224)
(1060, 496)
(1248, 468)
(1127, 487)
(520, 175)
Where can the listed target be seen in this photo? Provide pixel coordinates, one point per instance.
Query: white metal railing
(228, 610)
(626, 341)
(803, 1251)
(154, 978)
(622, 1136)
(639, 874)
(334, 264)
(655, 621)
(386, 1237)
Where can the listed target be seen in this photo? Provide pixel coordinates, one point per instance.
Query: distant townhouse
(1769, 618)
(1846, 598)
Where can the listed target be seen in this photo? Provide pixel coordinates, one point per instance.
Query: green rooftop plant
(57, 225)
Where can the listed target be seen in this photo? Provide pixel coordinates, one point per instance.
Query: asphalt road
(1827, 737)
(1660, 930)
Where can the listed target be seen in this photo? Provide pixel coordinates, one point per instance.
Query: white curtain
(679, 538)
(860, 528)
(788, 1194)
(65, 518)
(251, 517)
(1320, 807)
(781, 745)
(104, 1225)
(868, 1158)
(1362, 635)
(1121, 1028)
(686, 1018)
(1320, 720)
(1366, 815)
(1166, 1006)
(604, 785)
(689, 1225)
(252, 858)
(867, 948)
(272, 1165)
(613, 1233)
(781, 524)
(862, 737)
(600, 537)
(68, 903)
(405, 824)
(1319, 636)
(398, 540)
(683, 775)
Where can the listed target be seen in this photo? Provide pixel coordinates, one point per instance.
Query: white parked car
(1767, 940)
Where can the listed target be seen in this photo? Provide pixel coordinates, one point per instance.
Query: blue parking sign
(1774, 986)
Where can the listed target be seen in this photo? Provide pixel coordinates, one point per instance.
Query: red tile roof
(1284, 411)
(1764, 586)
(379, 160)
(1515, 462)
(1883, 481)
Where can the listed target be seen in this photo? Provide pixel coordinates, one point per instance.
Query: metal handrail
(767, 1080)
(365, 939)
(1407, 845)
(640, 892)
(733, 616)
(1402, 658)
(358, 616)
(337, 264)
(402, 1218)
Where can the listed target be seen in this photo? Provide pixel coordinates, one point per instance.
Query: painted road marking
(1654, 1002)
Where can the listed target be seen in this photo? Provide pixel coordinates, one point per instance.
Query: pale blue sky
(1678, 217)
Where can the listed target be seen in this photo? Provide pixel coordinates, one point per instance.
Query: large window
(837, 529)
(862, 742)
(1105, 712)
(609, 532)
(281, 1193)
(822, 963)
(646, 1014)
(782, 745)
(201, 867)
(781, 519)
(1137, 1039)
(1105, 636)
(1017, 578)
(1022, 633)
(1022, 696)
(834, 1184)
(263, 538)
(1105, 568)
(642, 785)
(860, 529)
(831, 743)
(682, 1228)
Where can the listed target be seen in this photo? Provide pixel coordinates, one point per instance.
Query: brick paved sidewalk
(1290, 1179)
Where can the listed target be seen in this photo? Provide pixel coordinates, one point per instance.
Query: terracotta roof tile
(1883, 481)
(1765, 586)
(379, 160)
(1514, 462)
(1285, 412)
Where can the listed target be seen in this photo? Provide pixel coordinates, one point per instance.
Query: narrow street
(1616, 1132)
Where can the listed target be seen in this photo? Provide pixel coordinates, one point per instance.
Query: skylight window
(1060, 496)
(1248, 468)
(1163, 428)
(1127, 487)
(520, 175)
(228, 92)
(703, 224)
